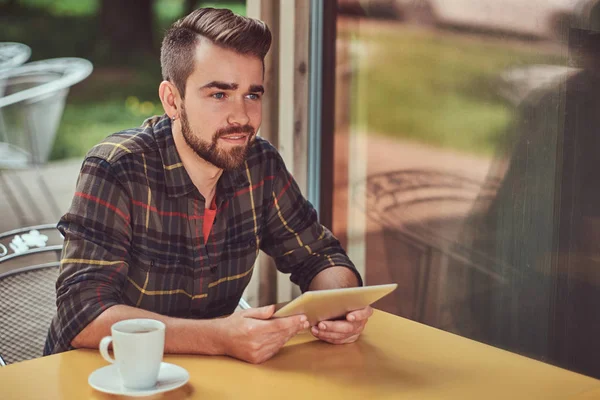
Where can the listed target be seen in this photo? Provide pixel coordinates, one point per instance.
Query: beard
(209, 151)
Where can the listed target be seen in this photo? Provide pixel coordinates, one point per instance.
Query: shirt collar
(177, 180)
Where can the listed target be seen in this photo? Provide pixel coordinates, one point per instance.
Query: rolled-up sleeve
(296, 240)
(94, 262)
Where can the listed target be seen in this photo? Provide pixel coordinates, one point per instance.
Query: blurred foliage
(437, 87)
(55, 7)
(58, 28)
(120, 93)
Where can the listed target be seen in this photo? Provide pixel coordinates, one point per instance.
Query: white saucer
(107, 380)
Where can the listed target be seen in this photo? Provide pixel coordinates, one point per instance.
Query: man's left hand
(344, 331)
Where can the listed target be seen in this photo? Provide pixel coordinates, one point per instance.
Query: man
(168, 219)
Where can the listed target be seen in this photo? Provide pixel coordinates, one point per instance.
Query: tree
(127, 26)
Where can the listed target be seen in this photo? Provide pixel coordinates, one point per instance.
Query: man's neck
(203, 174)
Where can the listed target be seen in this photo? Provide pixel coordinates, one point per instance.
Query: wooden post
(293, 104)
(285, 116)
(328, 111)
(262, 290)
(300, 128)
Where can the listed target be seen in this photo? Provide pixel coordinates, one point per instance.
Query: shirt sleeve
(94, 262)
(296, 240)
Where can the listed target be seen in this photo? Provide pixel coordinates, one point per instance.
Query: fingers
(337, 330)
(259, 313)
(272, 340)
(335, 337)
(285, 324)
(262, 355)
(360, 315)
(339, 326)
(260, 342)
(255, 337)
(292, 324)
(330, 335)
(266, 352)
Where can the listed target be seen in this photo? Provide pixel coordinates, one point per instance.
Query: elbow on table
(94, 331)
(77, 341)
(88, 337)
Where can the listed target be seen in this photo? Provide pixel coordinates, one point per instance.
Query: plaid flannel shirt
(133, 233)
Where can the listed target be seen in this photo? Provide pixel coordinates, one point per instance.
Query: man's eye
(219, 95)
(254, 96)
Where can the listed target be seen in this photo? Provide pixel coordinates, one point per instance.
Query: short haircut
(247, 36)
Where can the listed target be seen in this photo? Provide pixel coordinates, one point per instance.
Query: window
(465, 159)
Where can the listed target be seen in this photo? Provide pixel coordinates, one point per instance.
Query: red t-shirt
(209, 218)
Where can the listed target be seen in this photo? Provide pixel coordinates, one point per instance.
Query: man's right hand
(251, 335)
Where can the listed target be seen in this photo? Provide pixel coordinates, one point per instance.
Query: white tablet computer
(322, 305)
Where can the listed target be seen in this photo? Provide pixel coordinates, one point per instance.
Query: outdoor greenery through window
(465, 154)
(123, 89)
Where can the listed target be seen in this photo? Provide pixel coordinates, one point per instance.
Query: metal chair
(31, 107)
(29, 260)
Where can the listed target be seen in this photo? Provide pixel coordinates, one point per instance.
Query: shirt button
(213, 269)
(252, 242)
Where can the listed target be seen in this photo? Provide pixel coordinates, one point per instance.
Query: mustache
(234, 129)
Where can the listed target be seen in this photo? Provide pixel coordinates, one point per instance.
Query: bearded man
(168, 218)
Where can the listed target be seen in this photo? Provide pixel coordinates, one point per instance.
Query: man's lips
(235, 137)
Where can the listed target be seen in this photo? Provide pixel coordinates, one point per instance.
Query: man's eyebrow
(257, 89)
(232, 86)
(220, 85)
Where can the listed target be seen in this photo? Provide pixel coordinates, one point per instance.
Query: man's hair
(222, 27)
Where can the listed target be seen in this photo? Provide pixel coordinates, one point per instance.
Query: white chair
(31, 108)
(13, 54)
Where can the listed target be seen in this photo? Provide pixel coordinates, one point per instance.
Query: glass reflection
(465, 166)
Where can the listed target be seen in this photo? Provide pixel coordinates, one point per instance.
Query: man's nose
(239, 114)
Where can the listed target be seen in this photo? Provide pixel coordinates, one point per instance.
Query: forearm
(334, 278)
(184, 336)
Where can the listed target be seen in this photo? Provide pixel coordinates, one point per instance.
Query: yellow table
(395, 359)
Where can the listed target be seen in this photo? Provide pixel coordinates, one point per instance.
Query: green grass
(437, 89)
(84, 125)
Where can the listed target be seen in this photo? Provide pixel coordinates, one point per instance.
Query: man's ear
(170, 98)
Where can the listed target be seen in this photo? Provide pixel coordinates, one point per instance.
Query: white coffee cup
(138, 346)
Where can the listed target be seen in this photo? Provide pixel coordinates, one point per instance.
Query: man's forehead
(216, 64)
(208, 52)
